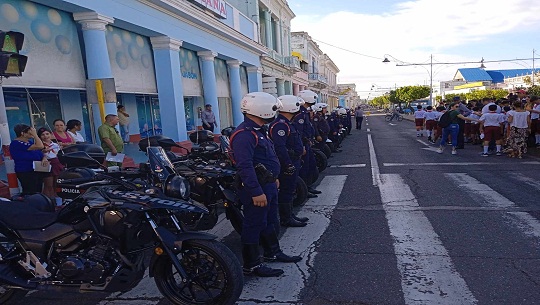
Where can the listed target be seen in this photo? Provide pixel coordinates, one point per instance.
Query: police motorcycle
(105, 239)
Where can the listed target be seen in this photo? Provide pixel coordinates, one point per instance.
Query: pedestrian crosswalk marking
(460, 163)
(527, 180)
(428, 275)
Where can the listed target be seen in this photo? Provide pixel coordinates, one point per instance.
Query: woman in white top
(519, 124)
(73, 127)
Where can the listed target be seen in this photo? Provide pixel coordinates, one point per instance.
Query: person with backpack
(449, 122)
(258, 169)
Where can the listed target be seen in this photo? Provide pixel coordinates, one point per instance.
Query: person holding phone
(25, 149)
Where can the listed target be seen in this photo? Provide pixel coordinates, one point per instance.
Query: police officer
(319, 122)
(289, 149)
(258, 167)
(335, 126)
(302, 122)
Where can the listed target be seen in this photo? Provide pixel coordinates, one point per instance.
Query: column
(288, 87)
(280, 84)
(268, 25)
(169, 84)
(279, 34)
(98, 65)
(296, 88)
(236, 90)
(254, 79)
(209, 82)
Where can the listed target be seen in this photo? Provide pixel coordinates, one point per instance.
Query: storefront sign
(218, 7)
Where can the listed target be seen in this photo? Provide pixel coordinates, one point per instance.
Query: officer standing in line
(335, 126)
(303, 124)
(258, 167)
(289, 149)
(319, 122)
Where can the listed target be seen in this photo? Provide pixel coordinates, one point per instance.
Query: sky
(411, 31)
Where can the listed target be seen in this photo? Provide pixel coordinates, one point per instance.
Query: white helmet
(260, 104)
(290, 103)
(321, 106)
(342, 111)
(308, 96)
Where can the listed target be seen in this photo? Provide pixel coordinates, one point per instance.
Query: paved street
(397, 224)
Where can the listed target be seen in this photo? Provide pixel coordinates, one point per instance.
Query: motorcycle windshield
(160, 164)
(156, 202)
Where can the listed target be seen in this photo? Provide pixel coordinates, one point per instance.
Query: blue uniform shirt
(321, 125)
(303, 124)
(287, 141)
(249, 151)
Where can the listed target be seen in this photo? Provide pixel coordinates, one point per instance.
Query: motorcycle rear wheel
(215, 272)
(322, 160)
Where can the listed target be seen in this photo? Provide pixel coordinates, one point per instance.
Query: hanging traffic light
(11, 62)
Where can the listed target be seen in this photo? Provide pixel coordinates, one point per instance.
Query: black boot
(253, 265)
(310, 195)
(285, 215)
(301, 219)
(272, 252)
(313, 191)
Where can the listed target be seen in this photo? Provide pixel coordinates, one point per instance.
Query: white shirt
(534, 115)
(438, 115)
(519, 118)
(492, 119)
(485, 109)
(55, 148)
(474, 116)
(76, 136)
(430, 115)
(419, 114)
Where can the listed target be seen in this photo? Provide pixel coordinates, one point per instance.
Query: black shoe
(283, 258)
(310, 195)
(293, 223)
(313, 191)
(263, 271)
(301, 219)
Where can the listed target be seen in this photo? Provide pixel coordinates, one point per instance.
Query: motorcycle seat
(34, 212)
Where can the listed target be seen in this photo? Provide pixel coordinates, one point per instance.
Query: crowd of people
(505, 126)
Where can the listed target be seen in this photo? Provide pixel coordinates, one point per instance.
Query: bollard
(13, 183)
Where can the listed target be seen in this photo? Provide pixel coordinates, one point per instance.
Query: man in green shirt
(111, 141)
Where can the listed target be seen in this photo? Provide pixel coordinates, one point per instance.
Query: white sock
(499, 148)
(429, 133)
(486, 149)
(417, 133)
(537, 136)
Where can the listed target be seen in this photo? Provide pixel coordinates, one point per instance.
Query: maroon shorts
(475, 129)
(419, 122)
(431, 124)
(467, 129)
(492, 133)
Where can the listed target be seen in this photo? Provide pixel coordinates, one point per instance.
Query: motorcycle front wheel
(7, 294)
(321, 159)
(214, 274)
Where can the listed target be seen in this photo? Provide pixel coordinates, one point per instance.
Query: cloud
(413, 30)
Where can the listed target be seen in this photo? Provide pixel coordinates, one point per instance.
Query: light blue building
(163, 60)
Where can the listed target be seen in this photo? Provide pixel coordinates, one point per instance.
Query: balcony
(276, 56)
(293, 62)
(317, 77)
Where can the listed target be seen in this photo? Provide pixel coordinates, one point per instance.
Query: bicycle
(388, 117)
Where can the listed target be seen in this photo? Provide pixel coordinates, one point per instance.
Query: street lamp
(430, 72)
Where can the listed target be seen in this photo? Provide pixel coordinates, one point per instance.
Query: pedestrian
(440, 110)
(475, 126)
(258, 167)
(208, 118)
(430, 123)
(519, 124)
(25, 149)
(62, 137)
(289, 149)
(465, 112)
(359, 117)
(533, 106)
(419, 120)
(50, 151)
(453, 128)
(491, 128)
(111, 142)
(73, 127)
(123, 116)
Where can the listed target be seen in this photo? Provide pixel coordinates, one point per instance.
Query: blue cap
(456, 98)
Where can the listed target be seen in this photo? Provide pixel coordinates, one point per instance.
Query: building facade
(163, 60)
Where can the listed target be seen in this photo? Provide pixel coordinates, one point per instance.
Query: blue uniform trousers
(309, 167)
(259, 220)
(287, 184)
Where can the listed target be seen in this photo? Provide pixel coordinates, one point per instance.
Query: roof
(495, 76)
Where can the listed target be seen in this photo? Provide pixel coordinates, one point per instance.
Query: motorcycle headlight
(176, 187)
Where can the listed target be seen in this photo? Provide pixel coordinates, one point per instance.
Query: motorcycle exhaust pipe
(9, 277)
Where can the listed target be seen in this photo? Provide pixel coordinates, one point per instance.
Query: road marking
(487, 196)
(368, 130)
(434, 149)
(460, 163)
(349, 165)
(373, 160)
(392, 124)
(428, 275)
(286, 289)
(422, 142)
(527, 180)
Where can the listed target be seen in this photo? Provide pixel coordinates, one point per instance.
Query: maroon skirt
(56, 166)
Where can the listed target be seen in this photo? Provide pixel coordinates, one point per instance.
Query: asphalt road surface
(397, 223)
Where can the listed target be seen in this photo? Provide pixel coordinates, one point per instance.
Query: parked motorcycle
(105, 239)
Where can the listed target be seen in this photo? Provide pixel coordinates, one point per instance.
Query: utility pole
(431, 81)
(533, 71)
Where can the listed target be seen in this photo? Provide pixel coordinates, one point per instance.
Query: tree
(412, 93)
(534, 90)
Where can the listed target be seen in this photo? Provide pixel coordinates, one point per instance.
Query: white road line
(373, 160)
(486, 196)
(368, 130)
(459, 163)
(349, 165)
(428, 275)
(422, 142)
(286, 289)
(527, 180)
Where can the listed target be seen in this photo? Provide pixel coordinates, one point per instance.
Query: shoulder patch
(281, 133)
(301, 121)
(315, 119)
